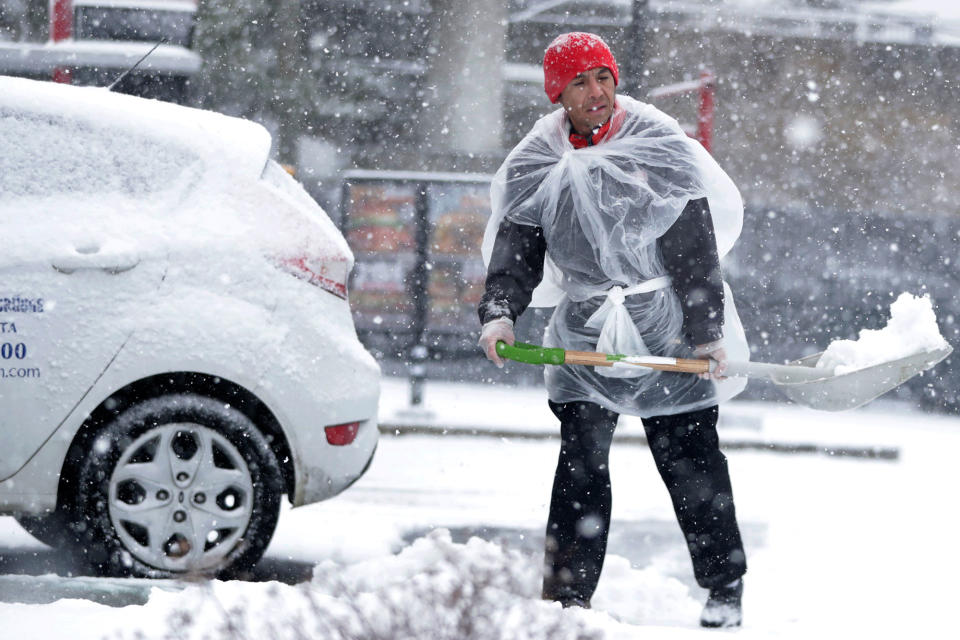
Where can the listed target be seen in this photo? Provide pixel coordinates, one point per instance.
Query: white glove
(715, 351)
(492, 332)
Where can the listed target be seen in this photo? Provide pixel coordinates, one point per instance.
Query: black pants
(686, 451)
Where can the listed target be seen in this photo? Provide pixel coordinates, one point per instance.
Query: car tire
(177, 485)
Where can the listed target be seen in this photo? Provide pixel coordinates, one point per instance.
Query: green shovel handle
(530, 353)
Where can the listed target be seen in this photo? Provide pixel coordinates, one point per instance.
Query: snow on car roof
(84, 166)
(227, 145)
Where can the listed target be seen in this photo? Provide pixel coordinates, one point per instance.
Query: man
(608, 212)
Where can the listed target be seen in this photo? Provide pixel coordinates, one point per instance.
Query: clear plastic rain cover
(602, 209)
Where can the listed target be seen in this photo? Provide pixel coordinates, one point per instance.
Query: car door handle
(87, 258)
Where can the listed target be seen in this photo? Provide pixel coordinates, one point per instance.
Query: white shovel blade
(855, 389)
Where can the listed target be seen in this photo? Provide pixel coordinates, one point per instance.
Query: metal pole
(636, 50)
(420, 284)
(285, 105)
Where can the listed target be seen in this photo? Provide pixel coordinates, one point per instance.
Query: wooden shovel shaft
(596, 359)
(586, 357)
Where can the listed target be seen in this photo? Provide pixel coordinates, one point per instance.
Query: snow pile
(434, 589)
(912, 329)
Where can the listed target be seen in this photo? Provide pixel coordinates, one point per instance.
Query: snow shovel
(800, 380)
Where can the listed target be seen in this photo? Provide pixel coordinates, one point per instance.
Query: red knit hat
(573, 53)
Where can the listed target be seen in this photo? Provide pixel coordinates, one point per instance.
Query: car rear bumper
(334, 468)
(331, 380)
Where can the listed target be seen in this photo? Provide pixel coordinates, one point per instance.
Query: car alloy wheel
(180, 497)
(174, 485)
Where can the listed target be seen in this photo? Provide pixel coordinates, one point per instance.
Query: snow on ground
(837, 548)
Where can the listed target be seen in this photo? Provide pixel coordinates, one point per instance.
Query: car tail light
(342, 434)
(330, 274)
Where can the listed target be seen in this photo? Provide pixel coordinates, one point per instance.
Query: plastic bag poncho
(602, 209)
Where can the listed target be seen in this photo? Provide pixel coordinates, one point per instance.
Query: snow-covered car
(176, 345)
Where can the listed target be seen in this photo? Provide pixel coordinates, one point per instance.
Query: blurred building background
(95, 42)
(820, 103)
(838, 120)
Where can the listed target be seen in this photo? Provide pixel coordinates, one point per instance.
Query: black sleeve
(689, 252)
(515, 270)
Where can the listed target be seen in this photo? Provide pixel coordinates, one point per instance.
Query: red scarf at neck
(579, 142)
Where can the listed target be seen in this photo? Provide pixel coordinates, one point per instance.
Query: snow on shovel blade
(853, 389)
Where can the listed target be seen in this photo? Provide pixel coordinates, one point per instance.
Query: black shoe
(566, 599)
(723, 608)
(566, 603)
